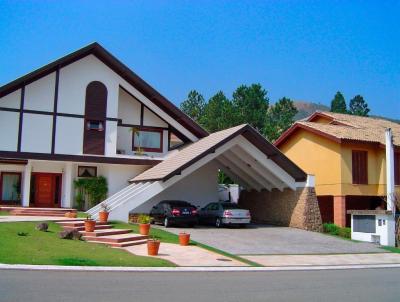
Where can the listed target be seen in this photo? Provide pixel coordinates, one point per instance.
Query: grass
(4, 213)
(46, 248)
(165, 236)
(391, 249)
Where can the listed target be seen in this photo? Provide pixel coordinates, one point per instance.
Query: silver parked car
(224, 213)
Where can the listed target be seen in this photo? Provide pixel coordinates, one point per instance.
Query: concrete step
(37, 214)
(82, 228)
(116, 238)
(97, 233)
(122, 244)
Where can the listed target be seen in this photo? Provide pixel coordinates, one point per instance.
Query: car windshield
(227, 206)
(178, 204)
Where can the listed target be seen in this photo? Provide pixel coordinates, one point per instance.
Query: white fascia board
(260, 169)
(250, 171)
(267, 163)
(136, 93)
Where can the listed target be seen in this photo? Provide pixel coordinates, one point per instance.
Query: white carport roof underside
(250, 168)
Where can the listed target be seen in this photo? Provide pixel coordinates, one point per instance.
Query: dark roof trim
(121, 69)
(78, 158)
(11, 161)
(261, 143)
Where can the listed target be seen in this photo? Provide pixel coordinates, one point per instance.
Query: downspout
(390, 171)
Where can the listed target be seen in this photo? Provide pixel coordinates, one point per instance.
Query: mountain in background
(307, 108)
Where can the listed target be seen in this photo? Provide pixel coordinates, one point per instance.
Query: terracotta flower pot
(90, 225)
(184, 239)
(153, 247)
(103, 216)
(144, 228)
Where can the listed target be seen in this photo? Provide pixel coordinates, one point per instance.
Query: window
(397, 169)
(147, 139)
(84, 171)
(360, 167)
(95, 125)
(10, 187)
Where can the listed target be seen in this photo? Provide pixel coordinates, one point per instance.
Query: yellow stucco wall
(331, 163)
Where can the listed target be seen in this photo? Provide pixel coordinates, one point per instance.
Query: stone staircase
(48, 212)
(105, 233)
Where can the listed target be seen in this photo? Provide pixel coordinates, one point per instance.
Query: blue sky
(305, 50)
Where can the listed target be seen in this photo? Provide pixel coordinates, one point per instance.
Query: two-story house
(346, 153)
(87, 114)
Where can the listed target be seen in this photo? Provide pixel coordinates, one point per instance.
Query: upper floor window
(360, 167)
(148, 139)
(95, 125)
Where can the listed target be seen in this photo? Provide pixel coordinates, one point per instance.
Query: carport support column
(26, 190)
(339, 210)
(67, 186)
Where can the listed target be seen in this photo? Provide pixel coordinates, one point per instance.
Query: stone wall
(298, 209)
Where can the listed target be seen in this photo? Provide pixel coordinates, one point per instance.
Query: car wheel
(166, 222)
(218, 222)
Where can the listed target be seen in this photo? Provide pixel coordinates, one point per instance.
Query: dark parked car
(174, 212)
(224, 213)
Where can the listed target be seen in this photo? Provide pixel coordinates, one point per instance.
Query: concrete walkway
(310, 260)
(265, 239)
(186, 255)
(33, 218)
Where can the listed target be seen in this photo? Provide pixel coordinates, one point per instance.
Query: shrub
(335, 230)
(143, 219)
(42, 227)
(70, 234)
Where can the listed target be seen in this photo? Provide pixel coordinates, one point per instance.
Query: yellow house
(346, 153)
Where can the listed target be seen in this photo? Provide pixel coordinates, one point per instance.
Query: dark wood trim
(10, 109)
(53, 134)
(141, 114)
(21, 117)
(78, 158)
(112, 119)
(138, 126)
(92, 167)
(149, 129)
(1, 186)
(10, 161)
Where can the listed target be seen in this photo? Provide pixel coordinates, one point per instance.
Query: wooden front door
(46, 190)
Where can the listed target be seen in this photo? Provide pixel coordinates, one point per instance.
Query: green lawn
(46, 248)
(4, 213)
(392, 249)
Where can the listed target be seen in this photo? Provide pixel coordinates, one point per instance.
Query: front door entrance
(47, 190)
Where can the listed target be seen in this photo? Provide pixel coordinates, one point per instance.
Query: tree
(194, 105)
(250, 105)
(338, 104)
(217, 113)
(280, 117)
(358, 106)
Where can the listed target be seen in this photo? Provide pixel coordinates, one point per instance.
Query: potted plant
(184, 238)
(144, 224)
(153, 245)
(103, 214)
(90, 224)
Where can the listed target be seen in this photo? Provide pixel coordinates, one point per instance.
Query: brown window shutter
(360, 167)
(397, 169)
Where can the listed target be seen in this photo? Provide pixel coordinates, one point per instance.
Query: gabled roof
(346, 128)
(118, 67)
(197, 150)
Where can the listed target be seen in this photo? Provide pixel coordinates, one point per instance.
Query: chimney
(389, 171)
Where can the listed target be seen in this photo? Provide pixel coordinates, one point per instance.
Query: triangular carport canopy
(241, 152)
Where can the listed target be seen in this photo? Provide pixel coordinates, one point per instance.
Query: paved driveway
(263, 239)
